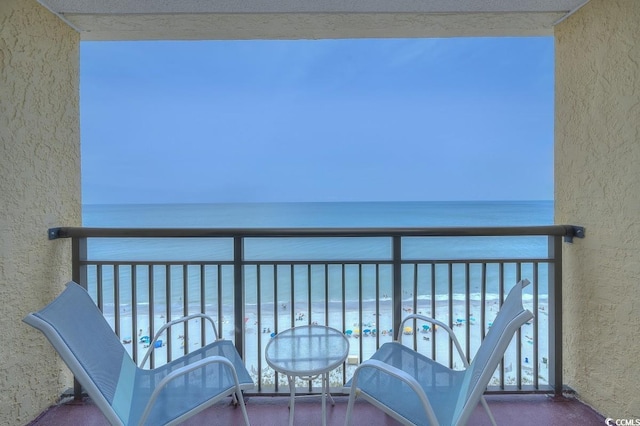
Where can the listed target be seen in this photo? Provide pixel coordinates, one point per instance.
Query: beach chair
(124, 392)
(417, 390)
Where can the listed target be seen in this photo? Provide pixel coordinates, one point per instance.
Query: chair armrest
(179, 372)
(171, 324)
(401, 376)
(440, 324)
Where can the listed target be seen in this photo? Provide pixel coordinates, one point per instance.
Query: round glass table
(307, 351)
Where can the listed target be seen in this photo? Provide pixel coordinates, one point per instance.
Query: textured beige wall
(39, 188)
(597, 172)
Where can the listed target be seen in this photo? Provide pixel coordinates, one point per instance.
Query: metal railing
(363, 281)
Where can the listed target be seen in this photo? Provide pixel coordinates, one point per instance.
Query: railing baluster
(518, 337)
(116, 298)
(344, 299)
(310, 320)
(168, 302)
(467, 311)
(152, 328)
(434, 351)
(483, 301)
(203, 306)
(292, 296)
(185, 307)
(536, 358)
(450, 299)
(500, 300)
(99, 289)
(377, 305)
(134, 311)
(275, 315)
(326, 295)
(414, 304)
(219, 303)
(360, 322)
(259, 322)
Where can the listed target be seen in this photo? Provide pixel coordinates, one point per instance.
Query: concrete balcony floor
(273, 411)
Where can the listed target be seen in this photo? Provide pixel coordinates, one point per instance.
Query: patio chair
(125, 393)
(417, 390)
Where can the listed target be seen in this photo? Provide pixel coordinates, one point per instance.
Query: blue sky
(324, 120)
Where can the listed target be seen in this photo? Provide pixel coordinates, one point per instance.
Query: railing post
(555, 315)
(397, 283)
(78, 255)
(238, 293)
(78, 275)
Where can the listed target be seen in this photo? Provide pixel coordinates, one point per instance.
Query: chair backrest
(477, 376)
(80, 334)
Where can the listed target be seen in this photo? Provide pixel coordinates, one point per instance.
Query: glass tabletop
(307, 350)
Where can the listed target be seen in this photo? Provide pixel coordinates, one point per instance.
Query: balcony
(363, 281)
(595, 153)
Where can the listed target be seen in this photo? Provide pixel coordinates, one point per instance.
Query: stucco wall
(39, 188)
(597, 172)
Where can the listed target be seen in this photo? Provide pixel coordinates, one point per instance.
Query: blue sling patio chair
(125, 393)
(417, 390)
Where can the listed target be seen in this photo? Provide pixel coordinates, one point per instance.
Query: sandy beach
(365, 332)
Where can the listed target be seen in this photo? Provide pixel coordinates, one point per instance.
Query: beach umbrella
(408, 330)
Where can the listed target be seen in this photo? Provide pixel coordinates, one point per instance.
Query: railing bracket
(54, 233)
(575, 231)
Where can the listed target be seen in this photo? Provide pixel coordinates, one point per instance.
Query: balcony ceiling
(308, 19)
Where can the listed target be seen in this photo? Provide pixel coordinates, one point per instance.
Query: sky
(317, 120)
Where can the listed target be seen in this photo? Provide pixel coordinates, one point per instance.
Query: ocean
(321, 214)
(317, 214)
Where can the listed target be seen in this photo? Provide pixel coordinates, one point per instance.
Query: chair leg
(237, 395)
(352, 397)
(486, 408)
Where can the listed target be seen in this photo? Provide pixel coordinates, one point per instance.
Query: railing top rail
(567, 231)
